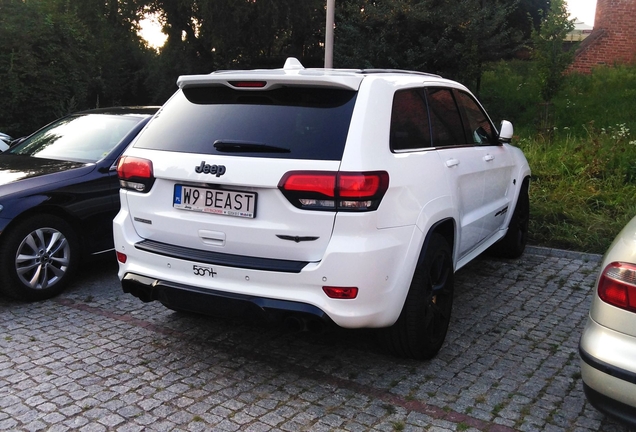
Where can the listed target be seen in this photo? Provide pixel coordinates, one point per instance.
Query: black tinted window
(409, 121)
(446, 123)
(290, 122)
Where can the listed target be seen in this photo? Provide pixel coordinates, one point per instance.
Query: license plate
(216, 201)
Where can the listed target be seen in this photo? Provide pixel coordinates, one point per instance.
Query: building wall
(613, 39)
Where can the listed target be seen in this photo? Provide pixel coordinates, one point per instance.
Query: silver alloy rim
(42, 258)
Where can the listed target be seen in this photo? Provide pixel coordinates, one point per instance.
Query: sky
(582, 9)
(151, 31)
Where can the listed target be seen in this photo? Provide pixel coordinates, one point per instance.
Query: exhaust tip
(294, 324)
(315, 326)
(297, 324)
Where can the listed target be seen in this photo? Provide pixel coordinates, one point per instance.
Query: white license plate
(217, 201)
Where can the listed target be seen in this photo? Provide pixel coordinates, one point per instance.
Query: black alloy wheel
(420, 331)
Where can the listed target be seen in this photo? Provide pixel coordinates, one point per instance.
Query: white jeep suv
(319, 196)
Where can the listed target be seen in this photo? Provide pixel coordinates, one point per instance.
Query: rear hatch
(220, 149)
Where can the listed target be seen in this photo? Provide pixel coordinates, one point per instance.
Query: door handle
(452, 162)
(488, 158)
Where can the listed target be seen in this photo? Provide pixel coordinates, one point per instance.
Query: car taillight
(617, 285)
(335, 191)
(135, 173)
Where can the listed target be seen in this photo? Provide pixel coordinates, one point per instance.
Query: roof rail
(378, 71)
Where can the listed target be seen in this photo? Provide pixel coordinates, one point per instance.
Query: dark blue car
(59, 193)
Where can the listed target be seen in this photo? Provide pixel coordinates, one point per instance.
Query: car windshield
(82, 138)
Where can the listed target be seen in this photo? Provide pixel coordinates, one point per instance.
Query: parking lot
(96, 359)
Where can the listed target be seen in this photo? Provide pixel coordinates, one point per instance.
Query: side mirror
(506, 132)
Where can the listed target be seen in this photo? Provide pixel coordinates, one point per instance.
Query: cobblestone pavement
(95, 359)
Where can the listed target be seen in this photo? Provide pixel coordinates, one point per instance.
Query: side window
(446, 123)
(479, 129)
(409, 121)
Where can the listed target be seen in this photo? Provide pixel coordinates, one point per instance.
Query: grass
(583, 188)
(398, 426)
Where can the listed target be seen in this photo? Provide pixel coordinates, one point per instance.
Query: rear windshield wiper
(247, 146)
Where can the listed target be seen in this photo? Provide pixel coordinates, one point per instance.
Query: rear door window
(446, 123)
(288, 122)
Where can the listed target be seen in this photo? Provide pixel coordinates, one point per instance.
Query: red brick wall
(613, 39)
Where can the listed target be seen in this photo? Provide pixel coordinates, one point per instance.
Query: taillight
(617, 285)
(335, 191)
(135, 173)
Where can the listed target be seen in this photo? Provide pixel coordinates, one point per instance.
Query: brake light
(617, 285)
(340, 292)
(135, 173)
(335, 191)
(248, 84)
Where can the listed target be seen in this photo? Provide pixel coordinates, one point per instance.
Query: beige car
(608, 343)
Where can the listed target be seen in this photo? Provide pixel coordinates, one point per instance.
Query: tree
(451, 37)
(527, 15)
(549, 51)
(204, 36)
(474, 32)
(59, 56)
(385, 34)
(121, 66)
(45, 58)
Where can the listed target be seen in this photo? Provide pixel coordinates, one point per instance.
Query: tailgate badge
(204, 168)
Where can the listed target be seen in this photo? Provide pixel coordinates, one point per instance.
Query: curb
(561, 253)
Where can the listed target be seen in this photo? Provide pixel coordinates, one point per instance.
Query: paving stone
(96, 359)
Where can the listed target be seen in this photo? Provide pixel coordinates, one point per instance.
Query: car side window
(410, 128)
(446, 123)
(479, 129)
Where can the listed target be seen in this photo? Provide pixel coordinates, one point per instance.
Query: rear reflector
(335, 191)
(617, 285)
(121, 257)
(340, 292)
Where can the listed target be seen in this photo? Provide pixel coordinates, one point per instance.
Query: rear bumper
(607, 370)
(611, 407)
(379, 265)
(204, 301)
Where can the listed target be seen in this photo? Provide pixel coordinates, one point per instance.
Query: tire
(514, 242)
(420, 330)
(38, 257)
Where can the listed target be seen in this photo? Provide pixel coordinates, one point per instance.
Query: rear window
(288, 122)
